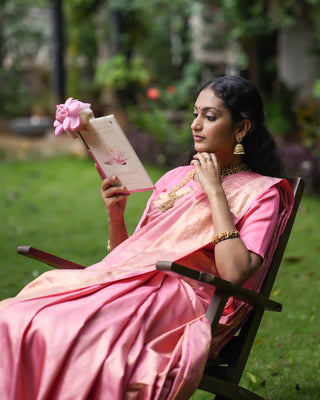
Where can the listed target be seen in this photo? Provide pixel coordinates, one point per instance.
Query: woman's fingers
(207, 170)
(116, 193)
(111, 188)
(205, 160)
(112, 181)
(114, 196)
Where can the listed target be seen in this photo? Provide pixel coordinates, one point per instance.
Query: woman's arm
(115, 200)
(232, 259)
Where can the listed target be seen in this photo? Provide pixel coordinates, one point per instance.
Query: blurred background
(144, 61)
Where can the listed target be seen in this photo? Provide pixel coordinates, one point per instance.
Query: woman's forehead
(207, 99)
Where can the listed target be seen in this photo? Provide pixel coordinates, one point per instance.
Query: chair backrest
(235, 354)
(297, 185)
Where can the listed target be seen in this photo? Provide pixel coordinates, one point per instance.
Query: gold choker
(172, 196)
(233, 169)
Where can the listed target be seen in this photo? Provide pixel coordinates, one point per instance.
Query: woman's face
(212, 127)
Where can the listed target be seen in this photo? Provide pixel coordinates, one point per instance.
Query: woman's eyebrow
(207, 108)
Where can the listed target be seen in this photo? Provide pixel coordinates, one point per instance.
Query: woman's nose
(195, 125)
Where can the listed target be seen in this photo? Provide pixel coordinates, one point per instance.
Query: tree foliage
(244, 19)
(153, 36)
(19, 45)
(147, 44)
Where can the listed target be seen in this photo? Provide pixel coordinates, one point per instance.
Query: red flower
(171, 89)
(153, 93)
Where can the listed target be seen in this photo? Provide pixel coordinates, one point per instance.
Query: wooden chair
(222, 374)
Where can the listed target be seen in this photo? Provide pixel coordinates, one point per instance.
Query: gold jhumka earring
(238, 148)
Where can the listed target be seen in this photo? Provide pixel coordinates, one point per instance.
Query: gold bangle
(109, 248)
(225, 235)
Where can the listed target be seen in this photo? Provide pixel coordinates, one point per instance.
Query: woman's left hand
(207, 171)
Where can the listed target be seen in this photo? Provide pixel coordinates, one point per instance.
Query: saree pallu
(120, 329)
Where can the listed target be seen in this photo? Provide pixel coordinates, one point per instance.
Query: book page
(112, 151)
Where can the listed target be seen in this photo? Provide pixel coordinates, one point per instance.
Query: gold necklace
(173, 196)
(233, 169)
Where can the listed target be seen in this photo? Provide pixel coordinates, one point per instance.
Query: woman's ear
(244, 128)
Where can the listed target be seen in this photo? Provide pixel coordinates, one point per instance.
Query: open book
(113, 153)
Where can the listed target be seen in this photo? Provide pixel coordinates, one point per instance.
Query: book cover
(112, 151)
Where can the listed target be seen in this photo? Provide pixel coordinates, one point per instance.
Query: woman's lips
(198, 138)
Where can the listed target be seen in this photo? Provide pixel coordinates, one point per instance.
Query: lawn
(55, 205)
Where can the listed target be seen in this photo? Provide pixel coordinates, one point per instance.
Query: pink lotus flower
(68, 116)
(115, 157)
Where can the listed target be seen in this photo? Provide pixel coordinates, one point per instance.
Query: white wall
(297, 66)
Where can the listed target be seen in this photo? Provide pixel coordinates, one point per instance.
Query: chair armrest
(47, 258)
(222, 285)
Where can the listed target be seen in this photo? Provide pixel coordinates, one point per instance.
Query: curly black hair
(243, 100)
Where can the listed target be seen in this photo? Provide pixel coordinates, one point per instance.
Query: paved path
(15, 147)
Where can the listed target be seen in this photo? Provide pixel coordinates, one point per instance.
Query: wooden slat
(47, 258)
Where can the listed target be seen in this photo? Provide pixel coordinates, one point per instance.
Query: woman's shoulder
(254, 179)
(271, 188)
(274, 184)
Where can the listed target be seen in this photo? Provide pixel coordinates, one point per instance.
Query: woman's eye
(211, 118)
(195, 115)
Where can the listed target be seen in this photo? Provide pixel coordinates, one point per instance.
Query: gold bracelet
(225, 235)
(109, 248)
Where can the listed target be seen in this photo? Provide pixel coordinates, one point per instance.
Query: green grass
(55, 205)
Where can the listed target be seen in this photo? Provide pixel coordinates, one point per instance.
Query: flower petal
(66, 124)
(83, 106)
(68, 101)
(58, 130)
(73, 107)
(74, 122)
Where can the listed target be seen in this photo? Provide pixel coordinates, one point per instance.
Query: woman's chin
(202, 148)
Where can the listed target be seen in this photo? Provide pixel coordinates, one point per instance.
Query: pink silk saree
(120, 329)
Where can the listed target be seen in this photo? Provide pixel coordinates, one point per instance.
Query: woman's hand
(232, 259)
(207, 171)
(115, 197)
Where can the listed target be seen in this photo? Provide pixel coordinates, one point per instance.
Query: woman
(120, 329)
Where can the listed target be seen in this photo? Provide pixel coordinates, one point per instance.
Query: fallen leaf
(257, 342)
(251, 377)
(276, 292)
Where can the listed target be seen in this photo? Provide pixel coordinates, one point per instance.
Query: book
(111, 150)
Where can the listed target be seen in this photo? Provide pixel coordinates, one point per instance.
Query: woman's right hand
(115, 197)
